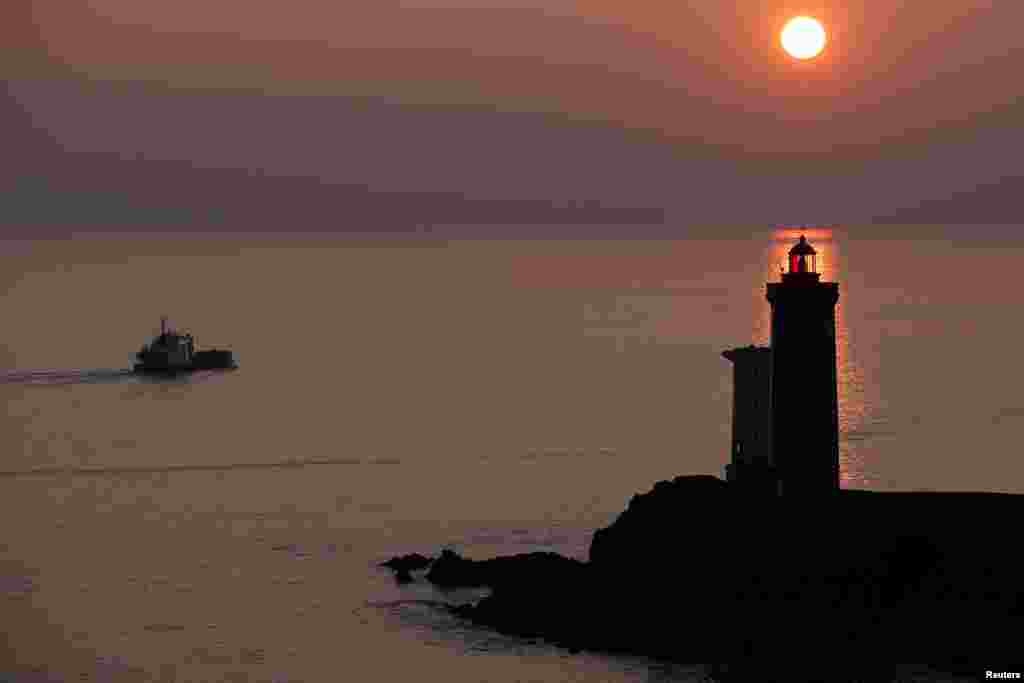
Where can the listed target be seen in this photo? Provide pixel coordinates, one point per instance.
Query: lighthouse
(805, 405)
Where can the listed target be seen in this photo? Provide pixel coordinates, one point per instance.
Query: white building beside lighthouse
(751, 459)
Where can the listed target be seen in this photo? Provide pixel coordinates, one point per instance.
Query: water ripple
(199, 467)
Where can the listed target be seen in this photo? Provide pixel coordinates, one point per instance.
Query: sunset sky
(382, 114)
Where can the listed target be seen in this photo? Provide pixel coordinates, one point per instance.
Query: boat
(173, 352)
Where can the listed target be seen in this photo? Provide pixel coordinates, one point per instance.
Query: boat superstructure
(172, 351)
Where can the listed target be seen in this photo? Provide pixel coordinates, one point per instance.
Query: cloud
(341, 164)
(32, 202)
(994, 203)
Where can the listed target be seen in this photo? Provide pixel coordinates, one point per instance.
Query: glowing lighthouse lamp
(803, 261)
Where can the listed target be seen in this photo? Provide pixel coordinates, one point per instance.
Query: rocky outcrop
(776, 589)
(411, 562)
(451, 570)
(404, 565)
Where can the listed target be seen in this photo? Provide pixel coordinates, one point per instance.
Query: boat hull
(141, 369)
(213, 359)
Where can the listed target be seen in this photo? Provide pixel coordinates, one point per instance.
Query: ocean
(412, 393)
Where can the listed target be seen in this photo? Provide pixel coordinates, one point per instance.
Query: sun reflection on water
(852, 413)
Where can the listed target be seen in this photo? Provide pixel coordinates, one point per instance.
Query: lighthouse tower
(805, 407)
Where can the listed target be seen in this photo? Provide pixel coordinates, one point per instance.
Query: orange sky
(903, 87)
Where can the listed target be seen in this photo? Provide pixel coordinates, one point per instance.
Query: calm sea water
(400, 396)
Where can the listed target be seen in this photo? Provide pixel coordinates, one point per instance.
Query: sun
(804, 38)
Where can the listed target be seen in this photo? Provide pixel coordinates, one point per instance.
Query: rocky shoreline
(771, 589)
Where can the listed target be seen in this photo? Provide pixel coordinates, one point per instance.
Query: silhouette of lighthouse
(804, 399)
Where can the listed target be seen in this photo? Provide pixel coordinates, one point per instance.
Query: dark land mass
(848, 587)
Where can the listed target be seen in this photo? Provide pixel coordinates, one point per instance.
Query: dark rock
(408, 563)
(775, 588)
(404, 565)
(451, 570)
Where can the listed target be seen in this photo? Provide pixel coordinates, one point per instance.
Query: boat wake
(61, 377)
(101, 376)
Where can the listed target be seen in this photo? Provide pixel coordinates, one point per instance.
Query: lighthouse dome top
(803, 263)
(802, 248)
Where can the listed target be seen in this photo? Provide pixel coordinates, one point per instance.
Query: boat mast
(163, 325)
